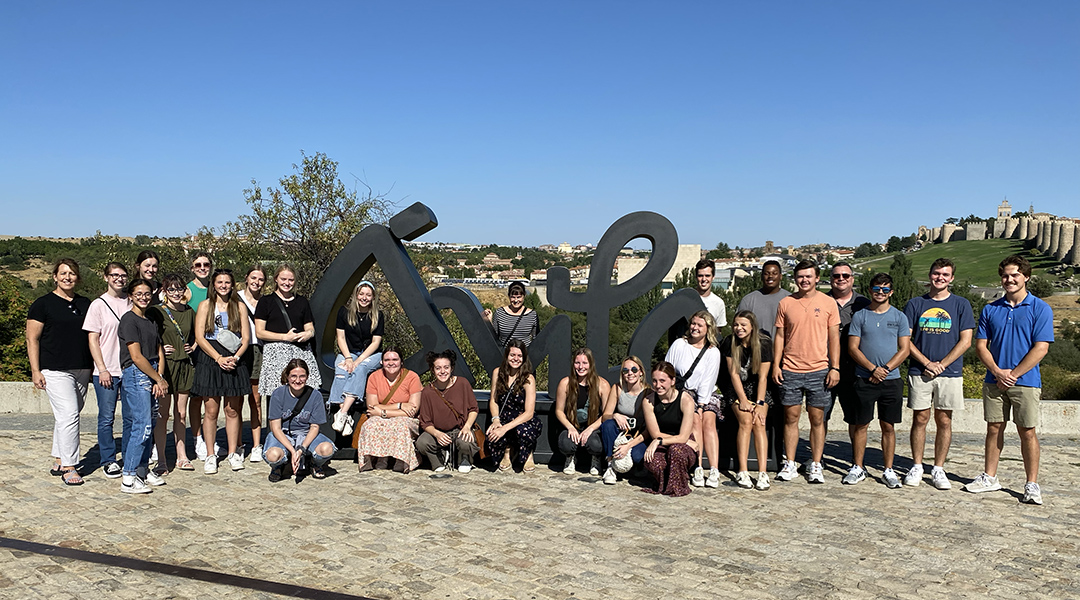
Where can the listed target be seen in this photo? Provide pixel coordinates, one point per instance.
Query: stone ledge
(1058, 417)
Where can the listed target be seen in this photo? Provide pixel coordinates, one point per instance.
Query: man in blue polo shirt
(1014, 334)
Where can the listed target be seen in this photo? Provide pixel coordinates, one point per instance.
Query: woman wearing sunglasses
(621, 414)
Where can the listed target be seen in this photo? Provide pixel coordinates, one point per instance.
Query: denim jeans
(140, 409)
(354, 383)
(106, 402)
(609, 430)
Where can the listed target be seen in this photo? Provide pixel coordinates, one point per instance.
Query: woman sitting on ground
(447, 412)
(578, 407)
(697, 360)
(393, 400)
(747, 358)
(621, 412)
(514, 427)
(669, 421)
(296, 411)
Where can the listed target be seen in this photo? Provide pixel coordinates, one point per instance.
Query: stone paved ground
(547, 535)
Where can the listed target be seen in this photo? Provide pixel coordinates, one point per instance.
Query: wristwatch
(661, 440)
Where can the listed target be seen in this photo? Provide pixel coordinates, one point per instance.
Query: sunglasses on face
(841, 275)
(881, 289)
(201, 265)
(630, 370)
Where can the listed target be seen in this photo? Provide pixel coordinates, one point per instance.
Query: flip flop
(185, 465)
(71, 477)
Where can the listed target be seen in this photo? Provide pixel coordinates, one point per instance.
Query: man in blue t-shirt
(941, 328)
(878, 343)
(1014, 334)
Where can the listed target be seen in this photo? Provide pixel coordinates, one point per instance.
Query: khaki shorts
(1023, 401)
(941, 393)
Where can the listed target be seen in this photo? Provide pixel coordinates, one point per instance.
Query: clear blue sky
(529, 123)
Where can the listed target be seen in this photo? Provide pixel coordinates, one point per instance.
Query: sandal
(530, 466)
(317, 472)
(71, 477)
(56, 470)
(505, 465)
(185, 465)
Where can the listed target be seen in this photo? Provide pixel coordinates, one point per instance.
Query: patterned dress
(393, 437)
(521, 439)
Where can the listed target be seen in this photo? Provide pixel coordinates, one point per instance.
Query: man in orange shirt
(806, 354)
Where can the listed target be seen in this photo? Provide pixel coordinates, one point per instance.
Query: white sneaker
(210, 466)
(350, 423)
(200, 448)
(713, 480)
(153, 455)
(699, 477)
(1032, 493)
(440, 468)
(891, 479)
(570, 467)
(762, 481)
(256, 453)
(854, 475)
(788, 472)
(983, 483)
(339, 421)
(940, 479)
(465, 466)
(742, 479)
(236, 461)
(131, 484)
(815, 474)
(112, 470)
(609, 476)
(154, 479)
(914, 476)
(594, 468)
(218, 450)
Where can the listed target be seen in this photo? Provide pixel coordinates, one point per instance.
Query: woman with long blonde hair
(697, 364)
(579, 401)
(744, 381)
(359, 327)
(622, 412)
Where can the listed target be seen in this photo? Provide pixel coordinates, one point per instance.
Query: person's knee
(887, 427)
(920, 418)
(1027, 433)
(325, 449)
(816, 416)
(274, 454)
(943, 418)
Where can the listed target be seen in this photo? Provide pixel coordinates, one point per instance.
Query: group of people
(167, 348)
(184, 349)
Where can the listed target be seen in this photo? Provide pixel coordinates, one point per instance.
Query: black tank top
(668, 416)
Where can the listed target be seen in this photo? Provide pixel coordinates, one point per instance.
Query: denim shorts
(811, 384)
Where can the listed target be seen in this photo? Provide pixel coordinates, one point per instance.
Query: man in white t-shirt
(704, 271)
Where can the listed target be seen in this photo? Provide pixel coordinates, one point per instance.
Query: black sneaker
(113, 470)
(275, 474)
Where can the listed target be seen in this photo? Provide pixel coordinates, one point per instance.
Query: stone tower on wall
(1004, 210)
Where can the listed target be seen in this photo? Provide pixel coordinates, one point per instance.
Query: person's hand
(350, 365)
(168, 352)
(39, 380)
(375, 411)
(651, 450)
(1007, 378)
(409, 409)
(878, 375)
(189, 348)
(574, 436)
(296, 454)
(486, 315)
(746, 406)
(778, 375)
(831, 379)
(620, 420)
(466, 435)
(161, 389)
(105, 380)
(620, 451)
(443, 439)
(935, 368)
(759, 415)
(495, 432)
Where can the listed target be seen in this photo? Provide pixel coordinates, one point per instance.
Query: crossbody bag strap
(448, 405)
(285, 313)
(110, 309)
(397, 384)
(300, 402)
(690, 372)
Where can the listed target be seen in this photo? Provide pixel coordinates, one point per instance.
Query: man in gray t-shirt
(764, 302)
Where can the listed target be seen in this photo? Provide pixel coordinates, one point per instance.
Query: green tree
(722, 250)
(684, 279)
(895, 244)
(305, 221)
(904, 285)
(866, 249)
(14, 364)
(1041, 287)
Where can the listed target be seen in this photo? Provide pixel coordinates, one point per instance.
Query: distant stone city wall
(1053, 236)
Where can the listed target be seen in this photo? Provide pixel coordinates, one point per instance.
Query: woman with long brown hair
(221, 331)
(514, 426)
(669, 421)
(579, 406)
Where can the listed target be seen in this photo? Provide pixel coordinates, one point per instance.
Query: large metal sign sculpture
(382, 244)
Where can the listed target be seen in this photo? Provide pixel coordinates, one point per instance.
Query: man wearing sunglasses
(878, 342)
(942, 325)
(848, 301)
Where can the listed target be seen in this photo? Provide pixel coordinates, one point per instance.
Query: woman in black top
(669, 420)
(744, 381)
(60, 362)
(360, 325)
(285, 325)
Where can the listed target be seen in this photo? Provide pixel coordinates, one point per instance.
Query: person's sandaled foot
(71, 477)
(505, 465)
(184, 464)
(530, 466)
(318, 472)
(56, 470)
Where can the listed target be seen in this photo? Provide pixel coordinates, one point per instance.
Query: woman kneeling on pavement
(296, 411)
(393, 399)
(447, 412)
(621, 411)
(578, 407)
(744, 381)
(669, 419)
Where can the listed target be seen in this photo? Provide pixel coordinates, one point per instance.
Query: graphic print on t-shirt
(935, 321)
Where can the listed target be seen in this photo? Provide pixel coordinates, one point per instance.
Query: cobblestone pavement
(545, 535)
